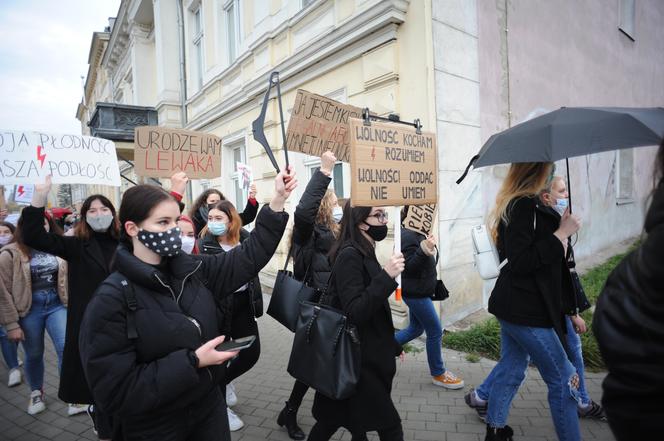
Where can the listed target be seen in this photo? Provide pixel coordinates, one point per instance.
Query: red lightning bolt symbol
(373, 153)
(40, 156)
(20, 190)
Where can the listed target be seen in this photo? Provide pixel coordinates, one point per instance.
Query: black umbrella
(569, 132)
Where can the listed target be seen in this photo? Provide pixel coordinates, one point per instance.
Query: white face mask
(188, 243)
(337, 213)
(99, 223)
(4, 240)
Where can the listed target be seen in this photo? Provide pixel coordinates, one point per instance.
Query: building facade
(465, 68)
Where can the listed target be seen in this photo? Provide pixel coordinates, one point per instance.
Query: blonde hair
(324, 215)
(523, 179)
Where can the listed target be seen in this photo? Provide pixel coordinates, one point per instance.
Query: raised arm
(35, 236)
(251, 209)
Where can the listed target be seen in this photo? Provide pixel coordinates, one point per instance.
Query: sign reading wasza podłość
(318, 124)
(391, 165)
(161, 152)
(28, 157)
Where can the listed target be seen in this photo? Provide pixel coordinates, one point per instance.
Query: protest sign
(318, 124)
(28, 157)
(420, 218)
(161, 152)
(391, 164)
(23, 194)
(245, 175)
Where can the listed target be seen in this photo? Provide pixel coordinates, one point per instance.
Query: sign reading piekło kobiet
(28, 157)
(161, 152)
(391, 164)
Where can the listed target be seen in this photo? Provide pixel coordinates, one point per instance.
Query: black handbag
(287, 295)
(441, 292)
(580, 299)
(326, 351)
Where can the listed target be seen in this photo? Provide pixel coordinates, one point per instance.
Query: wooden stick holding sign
(397, 247)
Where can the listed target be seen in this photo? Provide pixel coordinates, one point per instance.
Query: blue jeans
(542, 345)
(47, 313)
(9, 350)
(575, 355)
(423, 318)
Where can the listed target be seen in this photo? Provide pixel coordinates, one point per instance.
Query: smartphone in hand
(236, 345)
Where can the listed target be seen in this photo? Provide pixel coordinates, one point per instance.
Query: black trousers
(322, 432)
(243, 324)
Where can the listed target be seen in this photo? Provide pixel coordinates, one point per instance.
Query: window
(337, 183)
(625, 176)
(232, 18)
(235, 152)
(627, 18)
(198, 46)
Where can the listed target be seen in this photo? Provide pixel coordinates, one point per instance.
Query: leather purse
(287, 295)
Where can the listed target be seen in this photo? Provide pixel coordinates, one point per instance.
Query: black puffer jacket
(312, 241)
(150, 379)
(209, 245)
(629, 326)
(418, 279)
(535, 286)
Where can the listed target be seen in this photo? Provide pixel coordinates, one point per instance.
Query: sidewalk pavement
(428, 412)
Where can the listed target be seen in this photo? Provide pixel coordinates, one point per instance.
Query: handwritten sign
(161, 152)
(420, 218)
(245, 174)
(28, 157)
(318, 124)
(391, 164)
(23, 194)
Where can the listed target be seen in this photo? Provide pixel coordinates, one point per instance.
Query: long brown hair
(18, 234)
(202, 200)
(234, 224)
(83, 231)
(524, 179)
(324, 215)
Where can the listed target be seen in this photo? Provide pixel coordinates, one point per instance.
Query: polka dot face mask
(166, 244)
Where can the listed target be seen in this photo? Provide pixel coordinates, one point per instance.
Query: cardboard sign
(420, 218)
(23, 194)
(245, 174)
(318, 124)
(392, 165)
(28, 157)
(160, 152)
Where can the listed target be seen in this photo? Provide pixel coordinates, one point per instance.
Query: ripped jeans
(519, 344)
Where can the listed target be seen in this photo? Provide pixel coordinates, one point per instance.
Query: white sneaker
(36, 404)
(75, 409)
(15, 377)
(231, 397)
(234, 421)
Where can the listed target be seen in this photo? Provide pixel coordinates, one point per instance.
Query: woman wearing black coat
(314, 231)
(149, 335)
(212, 196)
(629, 326)
(360, 287)
(531, 295)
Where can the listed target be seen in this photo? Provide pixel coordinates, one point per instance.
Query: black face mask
(377, 233)
(203, 212)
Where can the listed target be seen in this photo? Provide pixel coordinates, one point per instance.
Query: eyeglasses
(381, 216)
